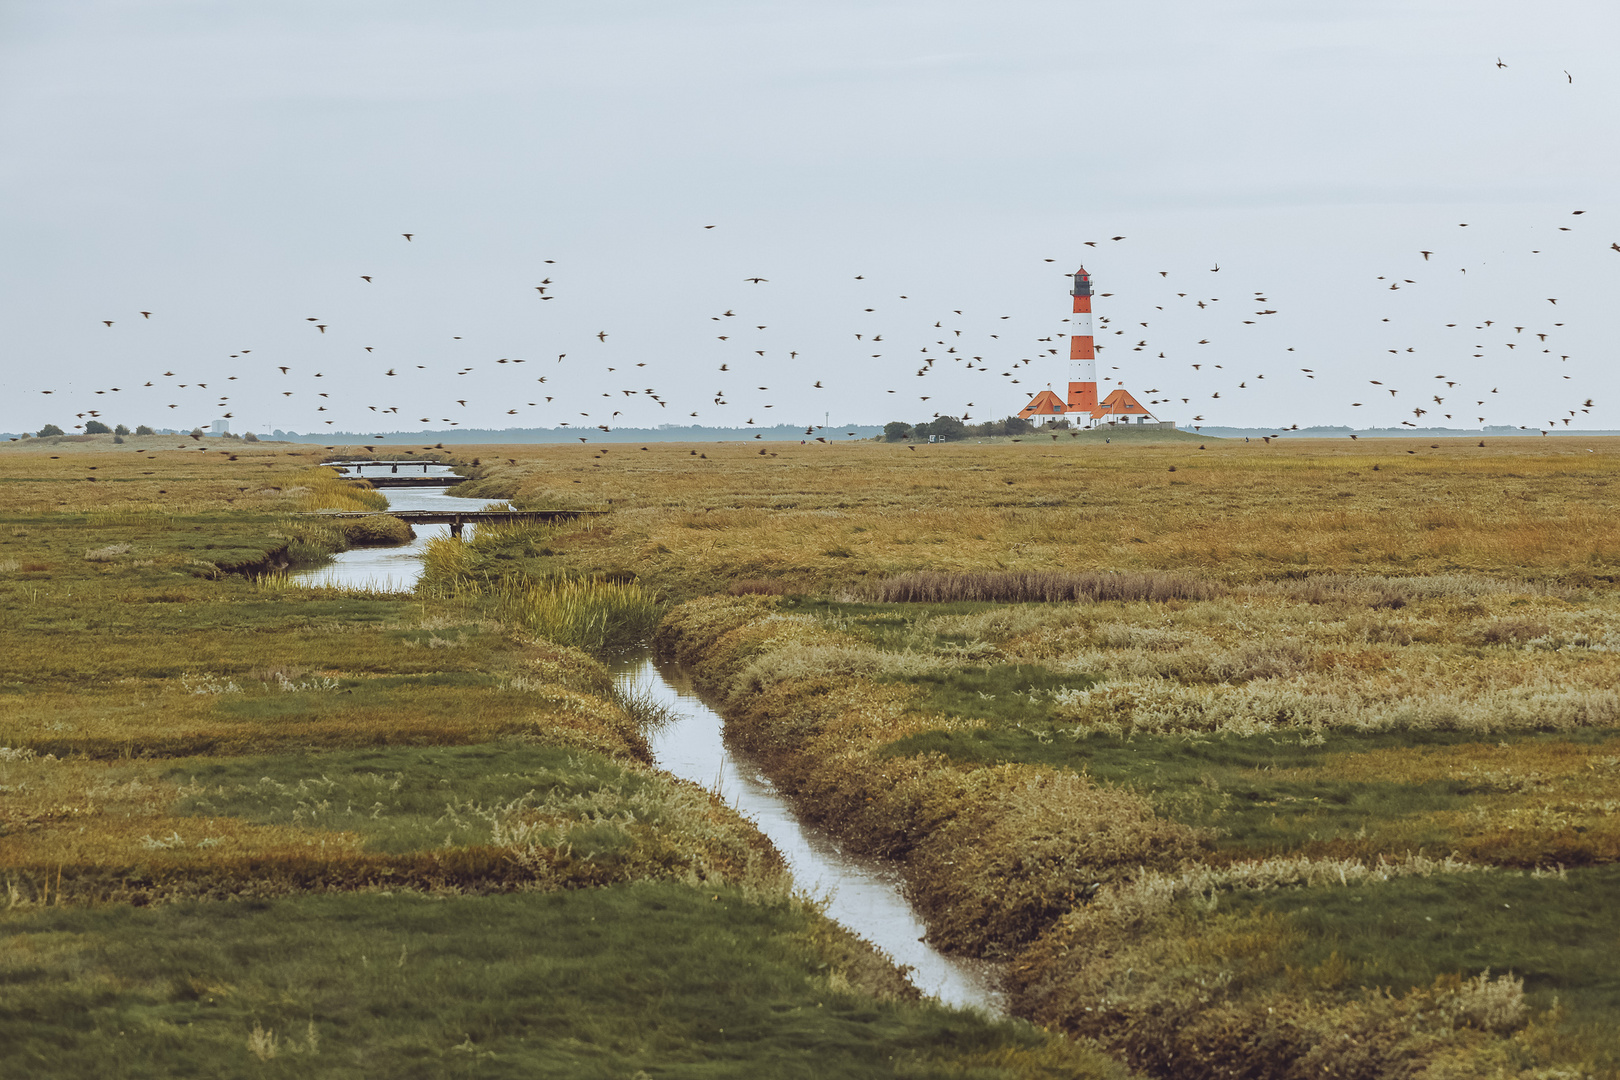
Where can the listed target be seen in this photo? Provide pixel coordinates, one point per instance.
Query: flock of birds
(742, 350)
(949, 362)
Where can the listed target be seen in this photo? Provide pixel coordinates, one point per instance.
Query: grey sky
(234, 169)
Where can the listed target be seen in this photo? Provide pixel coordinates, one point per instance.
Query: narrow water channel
(865, 895)
(392, 568)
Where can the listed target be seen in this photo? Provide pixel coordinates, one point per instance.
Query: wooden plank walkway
(413, 481)
(457, 518)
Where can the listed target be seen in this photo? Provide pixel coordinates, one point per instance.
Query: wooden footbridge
(414, 481)
(457, 518)
(386, 474)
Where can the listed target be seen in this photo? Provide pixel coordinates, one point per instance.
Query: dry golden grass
(819, 517)
(154, 477)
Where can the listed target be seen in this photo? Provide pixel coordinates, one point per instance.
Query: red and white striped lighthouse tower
(1082, 349)
(1117, 408)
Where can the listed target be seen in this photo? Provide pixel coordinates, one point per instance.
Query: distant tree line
(96, 427)
(948, 428)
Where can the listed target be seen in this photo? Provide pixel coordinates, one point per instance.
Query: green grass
(1239, 785)
(410, 799)
(163, 546)
(1556, 933)
(600, 983)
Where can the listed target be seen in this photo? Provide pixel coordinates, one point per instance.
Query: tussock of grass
(324, 489)
(490, 817)
(642, 706)
(596, 616)
(1042, 587)
(505, 571)
(500, 553)
(108, 553)
(378, 530)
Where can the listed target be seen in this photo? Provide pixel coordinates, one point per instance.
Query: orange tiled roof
(1045, 403)
(1119, 403)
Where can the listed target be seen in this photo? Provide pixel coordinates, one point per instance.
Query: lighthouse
(1082, 349)
(1082, 402)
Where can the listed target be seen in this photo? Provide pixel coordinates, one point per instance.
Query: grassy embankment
(250, 828)
(1334, 796)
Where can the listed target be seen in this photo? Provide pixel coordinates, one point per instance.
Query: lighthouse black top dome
(1082, 283)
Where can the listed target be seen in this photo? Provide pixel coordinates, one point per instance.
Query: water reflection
(393, 568)
(865, 895)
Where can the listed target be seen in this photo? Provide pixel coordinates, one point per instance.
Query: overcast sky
(234, 169)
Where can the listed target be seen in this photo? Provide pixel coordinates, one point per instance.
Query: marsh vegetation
(250, 827)
(1291, 761)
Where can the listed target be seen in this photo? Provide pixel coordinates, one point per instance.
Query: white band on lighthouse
(1080, 324)
(1082, 371)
